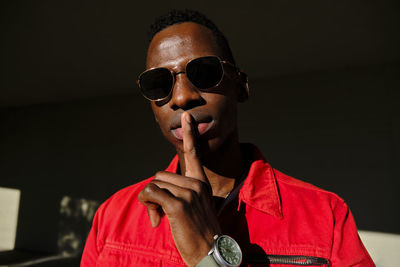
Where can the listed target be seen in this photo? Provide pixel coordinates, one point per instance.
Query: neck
(223, 167)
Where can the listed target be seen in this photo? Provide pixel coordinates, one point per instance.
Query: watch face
(229, 250)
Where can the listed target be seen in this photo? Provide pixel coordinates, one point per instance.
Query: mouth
(203, 124)
(202, 128)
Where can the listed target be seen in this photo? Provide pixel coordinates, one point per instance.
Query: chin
(214, 146)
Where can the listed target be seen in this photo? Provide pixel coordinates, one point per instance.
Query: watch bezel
(217, 255)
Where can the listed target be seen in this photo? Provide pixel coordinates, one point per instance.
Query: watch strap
(208, 261)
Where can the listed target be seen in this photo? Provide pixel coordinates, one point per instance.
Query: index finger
(193, 167)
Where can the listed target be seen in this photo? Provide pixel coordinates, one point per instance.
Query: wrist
(201, 252)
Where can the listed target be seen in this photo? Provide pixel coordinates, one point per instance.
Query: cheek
(224, 105)
(229, 118)
(162, 117)
(225, 109)
(159, 116)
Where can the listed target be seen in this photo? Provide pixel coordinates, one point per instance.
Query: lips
(202, 122)
(202, 128)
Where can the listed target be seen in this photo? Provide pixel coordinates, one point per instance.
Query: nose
(184, 94)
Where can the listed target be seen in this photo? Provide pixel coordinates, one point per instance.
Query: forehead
(180, 43)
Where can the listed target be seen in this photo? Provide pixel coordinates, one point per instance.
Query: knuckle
(191, 150)
(198, 186)
(140, 196)
(158, 175)
(149, 188)
(146, 191)
(187, 195)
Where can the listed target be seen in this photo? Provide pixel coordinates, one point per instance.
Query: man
(218, 203)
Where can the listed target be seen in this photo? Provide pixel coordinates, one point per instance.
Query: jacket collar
(259, 189)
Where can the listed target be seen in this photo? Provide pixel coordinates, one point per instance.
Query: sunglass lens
(204, 72)
(156, 84)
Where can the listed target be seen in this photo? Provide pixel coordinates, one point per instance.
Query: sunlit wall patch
(76, 215)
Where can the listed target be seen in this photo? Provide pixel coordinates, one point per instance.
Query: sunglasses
(204, 72)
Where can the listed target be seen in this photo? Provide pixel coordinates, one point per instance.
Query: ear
(244, 91)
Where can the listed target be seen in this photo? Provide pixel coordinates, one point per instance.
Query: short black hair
(175, 16)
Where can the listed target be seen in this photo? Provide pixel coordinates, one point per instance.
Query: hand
(185, 200)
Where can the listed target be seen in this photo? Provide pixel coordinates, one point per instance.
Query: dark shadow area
(252, 253)
(38, 220)
(37, 259)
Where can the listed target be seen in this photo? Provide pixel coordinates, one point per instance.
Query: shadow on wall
(74, 222)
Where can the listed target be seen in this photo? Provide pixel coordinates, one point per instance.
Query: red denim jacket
(275, 219)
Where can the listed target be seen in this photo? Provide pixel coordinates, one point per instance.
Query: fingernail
(187, 117)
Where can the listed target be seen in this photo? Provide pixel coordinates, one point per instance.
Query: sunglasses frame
(173, 74)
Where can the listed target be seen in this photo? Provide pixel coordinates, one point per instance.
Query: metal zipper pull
(287, 259)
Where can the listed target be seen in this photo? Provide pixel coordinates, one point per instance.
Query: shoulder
(264, 177)
(129, 191)
(298, 190)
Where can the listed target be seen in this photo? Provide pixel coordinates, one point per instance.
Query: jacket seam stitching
(144, 251)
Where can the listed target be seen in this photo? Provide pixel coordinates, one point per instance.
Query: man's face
(214, 112)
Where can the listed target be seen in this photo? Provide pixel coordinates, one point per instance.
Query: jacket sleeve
(90, 252)
(347, 248)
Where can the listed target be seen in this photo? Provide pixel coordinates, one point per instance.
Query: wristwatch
(225, 252)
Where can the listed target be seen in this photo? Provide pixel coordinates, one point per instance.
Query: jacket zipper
(287, 259)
